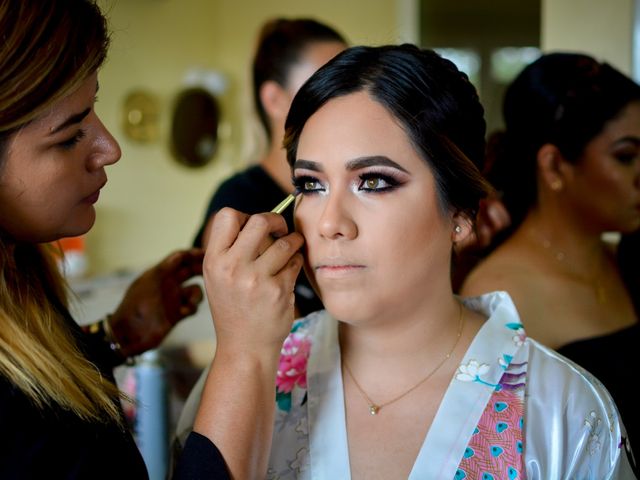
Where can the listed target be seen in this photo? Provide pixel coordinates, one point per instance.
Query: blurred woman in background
(568, 169)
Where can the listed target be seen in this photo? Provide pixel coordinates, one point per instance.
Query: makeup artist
(60, 413)
(398, 377)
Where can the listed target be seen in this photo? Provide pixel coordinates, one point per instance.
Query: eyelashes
(377, 182)
(371, 182)
(625, 158)
(73, 141)
(306, 184)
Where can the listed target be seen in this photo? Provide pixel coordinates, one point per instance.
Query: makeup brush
(282, 206)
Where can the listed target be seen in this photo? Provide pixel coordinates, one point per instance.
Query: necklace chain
(594, 281)
(374, 408)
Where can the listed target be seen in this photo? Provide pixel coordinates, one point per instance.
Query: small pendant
(374, 409)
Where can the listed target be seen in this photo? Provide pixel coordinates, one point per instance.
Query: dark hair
(280, 45)
(49, 49)
(434, 102)
(563, 99)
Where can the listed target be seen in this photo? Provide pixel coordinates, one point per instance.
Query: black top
(54, 443)
(200, 459)
(254, 191)
(611, 359)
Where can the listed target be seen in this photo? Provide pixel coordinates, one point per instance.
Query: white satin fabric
(572, 428)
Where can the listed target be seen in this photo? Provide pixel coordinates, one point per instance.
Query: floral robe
(513, 410)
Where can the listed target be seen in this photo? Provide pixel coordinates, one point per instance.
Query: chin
(79, 226)
(347, 309)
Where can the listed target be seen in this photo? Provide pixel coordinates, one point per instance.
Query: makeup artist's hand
(250, 269)
(156, 301)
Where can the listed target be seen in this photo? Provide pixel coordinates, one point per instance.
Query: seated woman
(398, 377)
(568, 167)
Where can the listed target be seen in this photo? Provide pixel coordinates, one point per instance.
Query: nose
(336, 220)
(105, 148)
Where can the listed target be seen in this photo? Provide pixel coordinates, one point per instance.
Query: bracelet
(103, 329)
(114, 345)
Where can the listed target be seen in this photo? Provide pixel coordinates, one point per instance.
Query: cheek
(604, 174)
(612, 187)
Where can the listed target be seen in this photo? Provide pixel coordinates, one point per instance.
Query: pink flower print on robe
(292, 369)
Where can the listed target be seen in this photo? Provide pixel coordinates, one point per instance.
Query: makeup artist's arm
(249, 279)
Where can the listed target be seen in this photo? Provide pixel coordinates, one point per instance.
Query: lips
(335, 269)
(338, 268)
(93, 198)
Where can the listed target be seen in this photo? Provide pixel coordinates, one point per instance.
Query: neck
(425, 335)
(563, 238)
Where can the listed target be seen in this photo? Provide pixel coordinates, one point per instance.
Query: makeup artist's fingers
(277, 256)
(206, 233)
(224, 229)
(258, 233)
(251, 307)
(288, 275)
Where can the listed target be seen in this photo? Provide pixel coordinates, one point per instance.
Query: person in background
(398, 377)
(288, 51)
(568, 170)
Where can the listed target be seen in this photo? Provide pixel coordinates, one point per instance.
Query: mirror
(194, 127)
(141, 116)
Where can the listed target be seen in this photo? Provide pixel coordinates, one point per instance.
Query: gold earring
(556, 185)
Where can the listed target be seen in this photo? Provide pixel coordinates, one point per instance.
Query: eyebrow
(355, 164)
(630, 139)
(373, 161)
(72, 120)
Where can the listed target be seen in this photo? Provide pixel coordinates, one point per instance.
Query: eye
(307, 184)
(73, 141)
(625, 157)
(376, 182)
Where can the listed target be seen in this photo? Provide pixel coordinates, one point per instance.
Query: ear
(462, 228)
(552, 168)
(275, 99)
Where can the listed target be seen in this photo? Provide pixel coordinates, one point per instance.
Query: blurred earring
(556, 185)
(457, 229)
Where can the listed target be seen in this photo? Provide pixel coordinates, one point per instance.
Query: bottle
(151, 424)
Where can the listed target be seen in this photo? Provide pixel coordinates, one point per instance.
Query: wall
(151, 204)
(603, 29)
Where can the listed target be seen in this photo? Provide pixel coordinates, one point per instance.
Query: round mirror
(194, 127)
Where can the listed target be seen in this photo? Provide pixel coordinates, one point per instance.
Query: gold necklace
(594, 281)
(374, 408)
